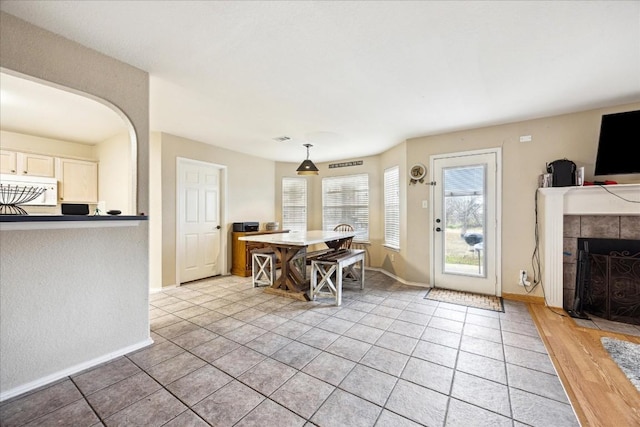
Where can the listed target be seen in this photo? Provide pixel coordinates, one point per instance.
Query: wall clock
(418, 172)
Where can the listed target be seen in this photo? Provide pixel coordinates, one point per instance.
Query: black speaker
(563, 173)
(75, 209)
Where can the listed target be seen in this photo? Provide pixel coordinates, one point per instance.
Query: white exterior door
(465, 216)
(198, 220)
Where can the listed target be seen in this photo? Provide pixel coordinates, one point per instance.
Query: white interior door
(465, 231)
(199, 220)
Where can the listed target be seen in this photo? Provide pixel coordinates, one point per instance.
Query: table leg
(291, 281)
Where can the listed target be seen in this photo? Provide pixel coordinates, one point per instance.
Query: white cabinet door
(8, 161)
(78, 180)
(26, 164)
(35, 165)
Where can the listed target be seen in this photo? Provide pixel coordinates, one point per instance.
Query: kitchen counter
(40, 222)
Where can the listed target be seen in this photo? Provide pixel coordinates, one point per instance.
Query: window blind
(294, 204)
(345, 200)
(392, 207)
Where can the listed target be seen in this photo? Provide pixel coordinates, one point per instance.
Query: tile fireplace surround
(591, 226)
(592, 211)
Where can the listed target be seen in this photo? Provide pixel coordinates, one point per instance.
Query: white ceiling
(356, 77)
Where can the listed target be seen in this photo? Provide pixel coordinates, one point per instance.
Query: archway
(43, 118)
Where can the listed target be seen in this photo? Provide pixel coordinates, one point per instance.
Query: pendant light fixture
(307, 167)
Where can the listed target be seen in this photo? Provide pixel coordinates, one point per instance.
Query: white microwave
(48, 198)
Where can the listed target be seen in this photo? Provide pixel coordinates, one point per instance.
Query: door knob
(438, 229)
(218, 227)
(438, 220)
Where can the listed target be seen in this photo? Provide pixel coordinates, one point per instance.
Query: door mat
(486, 302)
(627, 355)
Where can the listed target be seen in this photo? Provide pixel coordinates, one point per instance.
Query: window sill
(393, 248)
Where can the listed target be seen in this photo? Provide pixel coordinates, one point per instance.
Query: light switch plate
(525, 138)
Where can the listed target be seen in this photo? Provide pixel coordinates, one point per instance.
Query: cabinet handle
(25, 172)
(13, 171)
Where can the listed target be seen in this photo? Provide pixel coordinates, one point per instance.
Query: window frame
(287, 207)
(357, 191)
(391, 202)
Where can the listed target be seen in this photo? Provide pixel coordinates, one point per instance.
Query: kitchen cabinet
(8, 162)
(26, 164)
(77, 180)
(241, 251)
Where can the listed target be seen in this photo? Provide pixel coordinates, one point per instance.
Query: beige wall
(155, 212)
(32, 52)
(90, 292)
(115, 174)
(247, 194)
(51, 147)
(389, 259)
(572, 136)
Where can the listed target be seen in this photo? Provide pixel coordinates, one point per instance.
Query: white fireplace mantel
(588, 200)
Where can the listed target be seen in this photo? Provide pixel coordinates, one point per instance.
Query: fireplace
(567, 213)
(608, 280)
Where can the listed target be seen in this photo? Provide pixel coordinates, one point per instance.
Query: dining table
(292, 247)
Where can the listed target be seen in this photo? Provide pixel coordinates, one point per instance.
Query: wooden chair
(344, 227)
(310, 256)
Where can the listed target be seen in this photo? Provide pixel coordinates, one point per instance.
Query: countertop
(32, 222)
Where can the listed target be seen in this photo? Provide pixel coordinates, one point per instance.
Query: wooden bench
(313, 255)
(332, 268)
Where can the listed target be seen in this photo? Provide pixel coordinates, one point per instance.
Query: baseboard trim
(399, 279)
(523, 298)
(40, 382)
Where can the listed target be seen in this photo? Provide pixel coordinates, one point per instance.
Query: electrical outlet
(522, 279)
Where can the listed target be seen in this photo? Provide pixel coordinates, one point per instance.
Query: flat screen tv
(618, 145)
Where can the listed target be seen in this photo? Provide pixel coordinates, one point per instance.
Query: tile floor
(227, 354)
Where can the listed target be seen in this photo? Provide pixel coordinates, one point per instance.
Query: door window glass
(464, 219)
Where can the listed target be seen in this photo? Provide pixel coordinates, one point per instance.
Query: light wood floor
(599, 391)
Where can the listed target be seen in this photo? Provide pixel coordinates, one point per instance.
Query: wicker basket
(13, 195)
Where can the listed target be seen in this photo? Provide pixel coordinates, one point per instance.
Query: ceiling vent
(282, 139)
